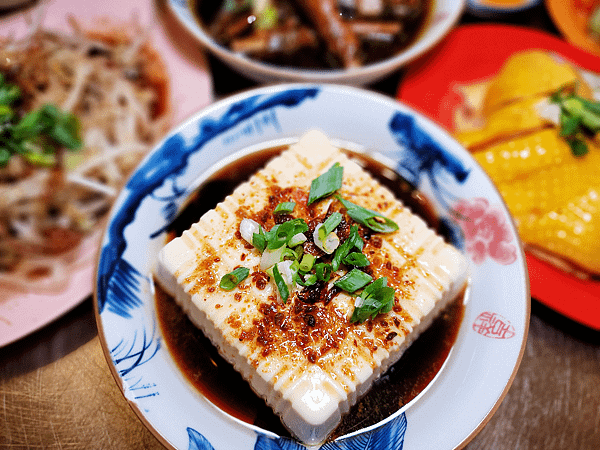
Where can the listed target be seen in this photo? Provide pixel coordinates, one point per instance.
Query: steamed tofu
(305, 357)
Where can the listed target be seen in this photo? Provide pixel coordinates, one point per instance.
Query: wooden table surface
(57, 392)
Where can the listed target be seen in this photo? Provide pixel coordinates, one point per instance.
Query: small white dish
(491, 339)
(444, 15)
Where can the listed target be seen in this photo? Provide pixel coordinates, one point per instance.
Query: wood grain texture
(554, 401)
(57, 392)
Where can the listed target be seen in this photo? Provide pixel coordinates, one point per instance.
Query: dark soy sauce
(216, 379)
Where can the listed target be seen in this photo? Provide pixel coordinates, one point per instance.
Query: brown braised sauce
(372, 47)
(223, 386)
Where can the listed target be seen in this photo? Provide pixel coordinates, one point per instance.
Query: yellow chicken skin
(551, 187)
(570, 231)
(512, 120)
(552, 194)
(528, 74)
(522, 156)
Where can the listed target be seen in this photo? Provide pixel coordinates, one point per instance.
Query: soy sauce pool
(216, 379)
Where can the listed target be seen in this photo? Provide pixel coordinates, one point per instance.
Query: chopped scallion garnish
(232, 279)
(376, 298)
(329, 225)
(307, 262)
(283, 257)
(282, 287)
(353, 280)
(299, 251)
(369, 218)
(354, 241)
(259, 240)
(290, 254)
(326, 184)
(329, 243)
(306, 280)
(356, 259)
(39, 134)
(323, 271)
(285, 208)
(578, 117)
(280, 234)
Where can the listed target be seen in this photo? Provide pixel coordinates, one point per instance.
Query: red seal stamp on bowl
(493, 325)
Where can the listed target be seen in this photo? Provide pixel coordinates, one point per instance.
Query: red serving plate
(471, 53)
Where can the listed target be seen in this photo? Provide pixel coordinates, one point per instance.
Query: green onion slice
(369, 218)
(578, 117)
(307, 262)
(376, 298)
(326, 184)
(39, 134)
(284, 208)
(329, 225)
(323, 271)
(259, 240)
(232, 279)
(281, 234)
(353, 280)
(307, 280)
(353, 241)
(284, 292)
(356, 259)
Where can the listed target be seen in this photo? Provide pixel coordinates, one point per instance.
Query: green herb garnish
(232, 279)
(579, 118)
(376, 298)
(307, 280)
(353, 280)
(356, 259)
(307, 262)
(36, 136)
(323, 271)
(267, 19)
(259, 240)
(284, 208)
(284, 292)
(354, 241)
(326, 184)
(369, 218)
(284, 242)
(280, 234)
(329, 225)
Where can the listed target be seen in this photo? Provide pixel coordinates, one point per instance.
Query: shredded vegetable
(104, 91)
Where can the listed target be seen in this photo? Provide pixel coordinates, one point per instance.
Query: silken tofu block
(305, 357)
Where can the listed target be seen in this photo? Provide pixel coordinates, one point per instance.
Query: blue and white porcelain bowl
(491, 339)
